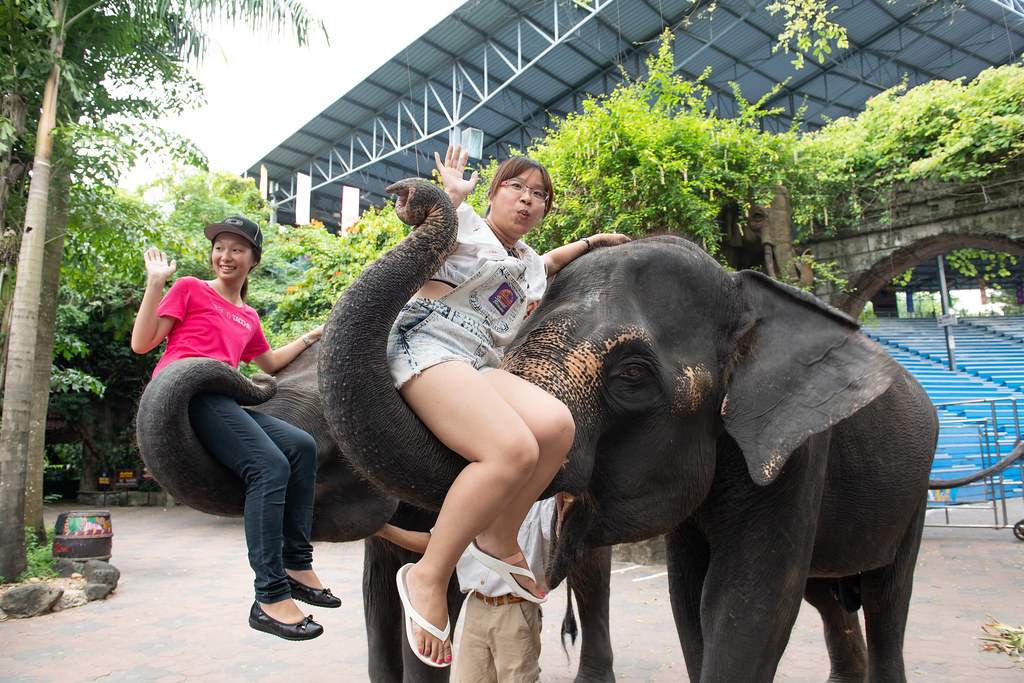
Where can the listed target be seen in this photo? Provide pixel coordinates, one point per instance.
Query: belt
(508, 599)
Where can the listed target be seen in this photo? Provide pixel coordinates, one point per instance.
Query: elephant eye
(633, 385)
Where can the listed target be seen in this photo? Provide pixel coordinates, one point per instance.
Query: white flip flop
(412, 615)
(505, 571)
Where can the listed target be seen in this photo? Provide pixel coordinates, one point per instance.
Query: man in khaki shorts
(500, 639)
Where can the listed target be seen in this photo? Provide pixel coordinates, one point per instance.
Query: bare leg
(514, 436)
(552, 427)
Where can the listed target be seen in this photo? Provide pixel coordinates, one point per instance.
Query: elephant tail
(569, 627)
(1016, 454)
(168, 446)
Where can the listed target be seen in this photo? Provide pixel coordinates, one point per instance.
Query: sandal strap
(512, 559)
(430, 628)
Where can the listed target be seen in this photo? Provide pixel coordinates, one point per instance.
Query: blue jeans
(277, 461)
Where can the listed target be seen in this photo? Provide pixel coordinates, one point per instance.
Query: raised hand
(157, 267)
(452, 171)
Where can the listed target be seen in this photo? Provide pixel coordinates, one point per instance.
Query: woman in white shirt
(445, 353)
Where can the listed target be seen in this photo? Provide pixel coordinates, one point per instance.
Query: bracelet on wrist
(586, 241)
(305, 340)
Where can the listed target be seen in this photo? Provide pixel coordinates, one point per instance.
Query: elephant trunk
(169, 447)
(375, 428)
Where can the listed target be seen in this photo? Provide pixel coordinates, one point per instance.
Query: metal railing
(995, 435)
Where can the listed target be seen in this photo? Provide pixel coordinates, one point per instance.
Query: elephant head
(346, 507)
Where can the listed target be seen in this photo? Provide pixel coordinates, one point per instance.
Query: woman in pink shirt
(276, 460)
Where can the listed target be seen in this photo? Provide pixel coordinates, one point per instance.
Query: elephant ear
(799, 368)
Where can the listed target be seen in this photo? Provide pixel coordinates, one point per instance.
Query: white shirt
(478, 243)
(534, 539)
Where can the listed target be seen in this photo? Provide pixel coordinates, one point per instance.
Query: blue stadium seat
(978, 404)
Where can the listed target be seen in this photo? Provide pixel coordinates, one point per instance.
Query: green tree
(96, 380)
(99, 50)
(654, 155)
(328, 264)
(942, 130)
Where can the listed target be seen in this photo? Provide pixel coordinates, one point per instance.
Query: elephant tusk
(563, 501)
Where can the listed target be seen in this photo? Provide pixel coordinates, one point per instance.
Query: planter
(137, 498)
(83, 535)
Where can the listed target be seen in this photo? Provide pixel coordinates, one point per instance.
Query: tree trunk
(92, 461)
(21, 346)
(56, 229)
(15, 108)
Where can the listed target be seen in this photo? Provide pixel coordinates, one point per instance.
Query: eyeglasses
(521, 187)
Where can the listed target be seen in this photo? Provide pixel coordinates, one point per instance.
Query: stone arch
(869, 282)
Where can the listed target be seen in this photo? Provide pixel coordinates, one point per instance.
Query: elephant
(346, 508)
(782, 453)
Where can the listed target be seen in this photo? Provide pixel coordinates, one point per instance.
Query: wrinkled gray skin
(783, 454)
(347, 508)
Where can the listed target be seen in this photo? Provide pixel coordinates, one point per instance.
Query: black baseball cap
(238, 225)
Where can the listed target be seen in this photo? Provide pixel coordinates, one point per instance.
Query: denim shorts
(428, 332)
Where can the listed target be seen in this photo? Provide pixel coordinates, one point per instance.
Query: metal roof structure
(507, 67)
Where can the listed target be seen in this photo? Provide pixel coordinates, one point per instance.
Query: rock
(97, 571)
(72, 598)
(96, 591)
(64, 567)
(22, 602)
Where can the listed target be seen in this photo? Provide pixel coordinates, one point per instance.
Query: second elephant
(346, 507)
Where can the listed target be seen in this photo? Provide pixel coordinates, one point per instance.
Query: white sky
(261, 89)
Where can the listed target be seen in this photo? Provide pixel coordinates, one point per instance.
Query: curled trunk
(346, 507)
(169, 447)
(375, 428)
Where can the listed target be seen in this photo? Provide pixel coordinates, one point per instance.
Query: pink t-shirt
(208, 326)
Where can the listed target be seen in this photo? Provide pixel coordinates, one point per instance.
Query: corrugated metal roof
(508, 66)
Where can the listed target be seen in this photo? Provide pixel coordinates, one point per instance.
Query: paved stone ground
(180, 614)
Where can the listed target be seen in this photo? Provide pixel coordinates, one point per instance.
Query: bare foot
(430, 602)
(307, 577)
(285, 611)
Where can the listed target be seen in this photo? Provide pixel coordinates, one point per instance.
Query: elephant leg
(391, 660)
(687, 557)
(885, 593)
(591, 580)
(385, 639)
(761, 539)
(843, 638)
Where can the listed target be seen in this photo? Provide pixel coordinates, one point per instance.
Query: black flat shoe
(307, 629)
(320, 597)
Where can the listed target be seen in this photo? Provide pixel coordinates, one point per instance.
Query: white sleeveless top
(478, 244)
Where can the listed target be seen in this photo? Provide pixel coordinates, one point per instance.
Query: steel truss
(444, 100)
